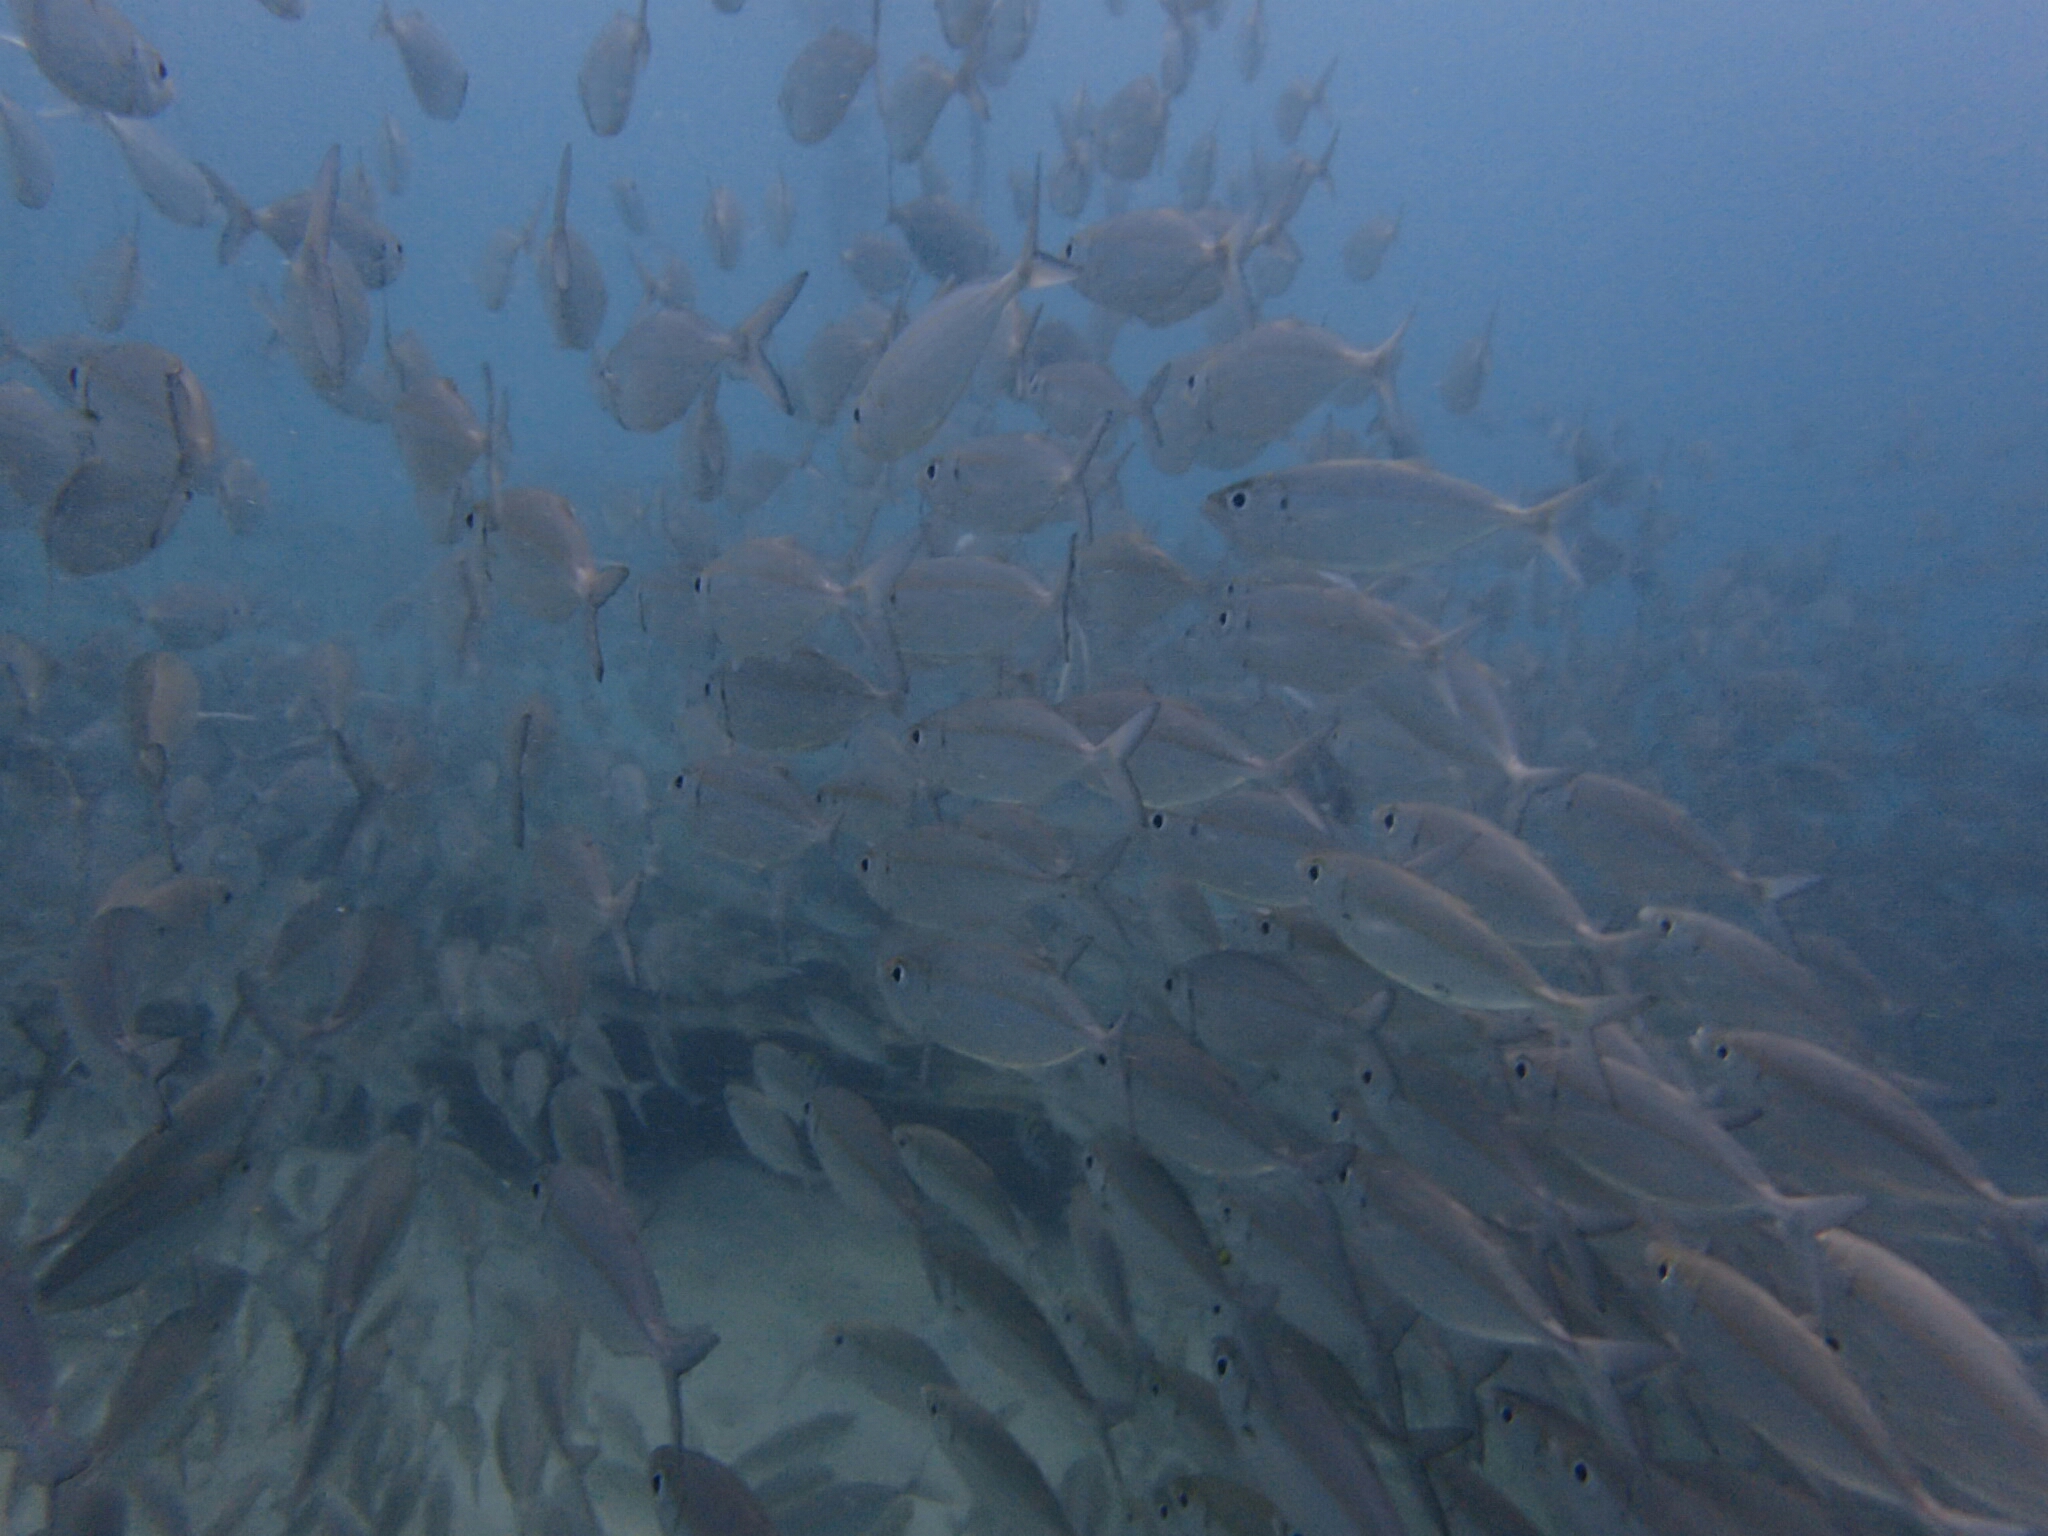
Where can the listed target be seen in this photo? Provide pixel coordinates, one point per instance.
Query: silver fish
(990, 1004)
(1129, 130)
(1366, 247)
(111, 282)
(1376, 516)
(323, 313)
(572, 286)
(611, 69)
(655, 371)
(1297, 99)
(31, 168)
(439, 80)
(725, 227)
(778, 210)
(928, 367)
(1159, 265)
(92, 53)
(175, 187)
(394, 155)
(1251, 42)
(1465, 380)
(821, 82)
(1435, 945)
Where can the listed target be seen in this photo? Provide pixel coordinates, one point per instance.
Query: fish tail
(1769, 890)
(1804, 1215)
(752, 335)
(1524, 785)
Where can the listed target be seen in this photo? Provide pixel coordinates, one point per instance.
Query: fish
(323, 311)
(92, 53)
(112, 281)
(666, 357)
(611, 70)
(948, 241)
(912, 105)
(778, 211)
(1377, 516)
(572, 283)
(1129, 129)
(175, 187)
(698, 1495)
(1020, 750)
(746, 808)
(1652, 848)
(1011, 483)
(1366, 247)
(1465, 379)
(1435, 945)
(1251, 42)
(546, 561)
(436, 73)
(725, 227)
(821, 82)
(988, 1003)
(394, 155)
(1297, 99)
(927, 368)
(1158, 265)
(1197, 176)
(998, 1472)
(1755, 1359)
(31, 168)
(593, 1217)
(631, 204)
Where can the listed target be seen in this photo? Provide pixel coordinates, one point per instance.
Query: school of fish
(1037, 947)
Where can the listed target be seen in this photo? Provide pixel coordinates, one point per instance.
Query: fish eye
(1720, 1053)
(856, 415)
(1336, 1114)
(1315, 873)
(1663, 1271)
(163, 70)
(1165, 1509)
(1832, 1342)
(1507, 1413)
(657, 1481)
(916, 737)
(1102, 1058)
(1238, 499)
(1387, 821)
(1191, 381)
(1665, 925)
(537, 1188)
(1283, 503)
(1158, 820)
(1169, 983)
(1365, 1076)
(866, 864)
(931, 470)
(1223, 619)
(679, 780)
(1580, 1471)
(697, 585)
(898, 972)
(1182, 1497)
(1222, 1366)
(838, 1338)
(1521, 1069)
